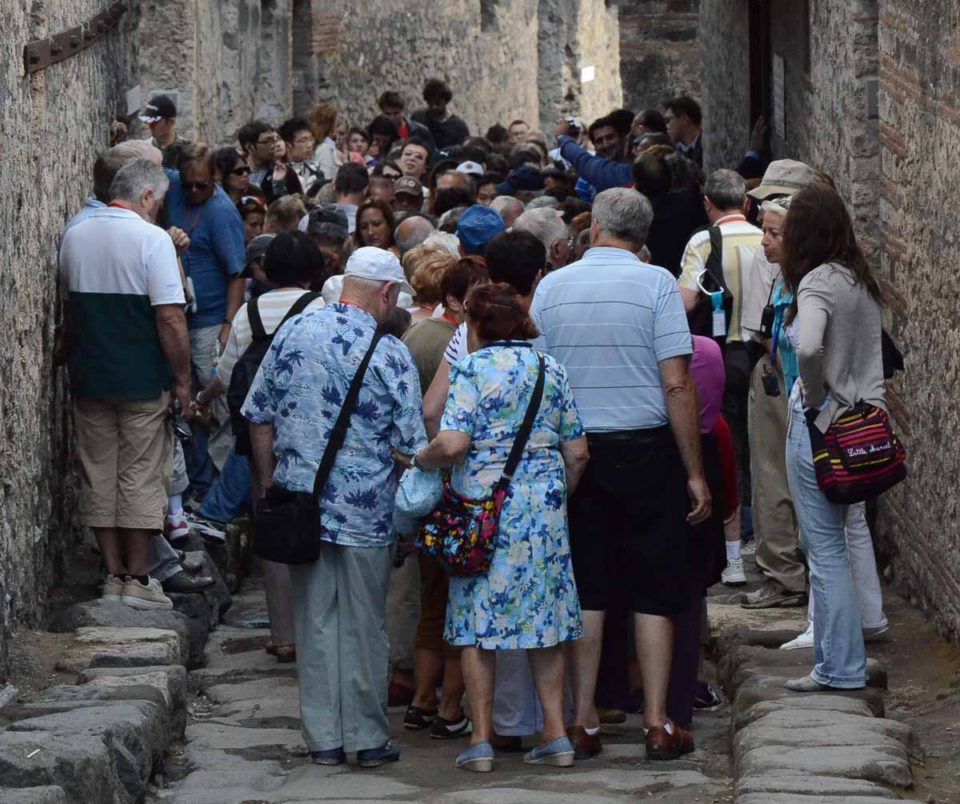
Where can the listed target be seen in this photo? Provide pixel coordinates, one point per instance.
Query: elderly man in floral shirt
(340, 601)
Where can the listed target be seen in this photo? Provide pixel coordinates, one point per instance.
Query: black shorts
(628, 524)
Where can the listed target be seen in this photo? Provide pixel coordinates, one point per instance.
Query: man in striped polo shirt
(127, 346)
(618, 326)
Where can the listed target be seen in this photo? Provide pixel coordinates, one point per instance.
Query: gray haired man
(127, 345)
(618, 326)
(546, 224)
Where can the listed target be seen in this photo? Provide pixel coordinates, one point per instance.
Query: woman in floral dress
(528, 599)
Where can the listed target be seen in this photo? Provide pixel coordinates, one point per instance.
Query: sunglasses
(241, 171)
(191, 186)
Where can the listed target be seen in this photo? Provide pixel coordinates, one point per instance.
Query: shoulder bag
(859, 457)
(715, 297)
(286, 524)
(461, 533)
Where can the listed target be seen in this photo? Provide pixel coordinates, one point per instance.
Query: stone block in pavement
(770, 688)
(806, 785)
(854, 762)
(96, 753)
(47, 794)
(822, 705)
(792, 798)
(114, 614)
(123, 647)
(796, 727)
(173, 685)
(748, 660)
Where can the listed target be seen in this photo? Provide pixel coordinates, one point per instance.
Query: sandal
(285, 653)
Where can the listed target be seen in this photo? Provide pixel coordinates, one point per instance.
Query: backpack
(700, 318)
(246, 368)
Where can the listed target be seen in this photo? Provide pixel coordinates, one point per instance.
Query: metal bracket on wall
(41, 53)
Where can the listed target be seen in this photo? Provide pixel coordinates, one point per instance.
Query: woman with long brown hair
(834, 326)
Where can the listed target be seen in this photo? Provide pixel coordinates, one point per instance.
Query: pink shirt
(706, 365)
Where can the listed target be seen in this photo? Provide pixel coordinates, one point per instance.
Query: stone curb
(808, 748)
(100, 739)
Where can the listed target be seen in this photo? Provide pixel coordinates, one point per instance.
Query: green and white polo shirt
(115, 267)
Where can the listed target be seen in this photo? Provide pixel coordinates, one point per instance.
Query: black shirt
(446, 133)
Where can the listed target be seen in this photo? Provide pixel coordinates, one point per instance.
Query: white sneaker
(207, 527)
(805, 640)
(143, 597)
(749, 548)
(733, 574)
(112, 588)
(175, 526)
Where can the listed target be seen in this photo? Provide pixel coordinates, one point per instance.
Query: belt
(635, 436)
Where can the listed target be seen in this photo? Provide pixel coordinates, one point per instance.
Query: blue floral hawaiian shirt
(300, 388)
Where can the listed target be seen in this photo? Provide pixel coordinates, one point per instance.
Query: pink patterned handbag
(461, 532)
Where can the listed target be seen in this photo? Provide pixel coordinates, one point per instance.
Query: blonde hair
(284, 214)
(425, 266)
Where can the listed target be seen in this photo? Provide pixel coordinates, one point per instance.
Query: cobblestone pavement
(243, 745)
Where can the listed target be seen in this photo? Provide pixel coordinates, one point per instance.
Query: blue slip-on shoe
(477, 758)
(558, 752)
(332, 756)
(375, 757)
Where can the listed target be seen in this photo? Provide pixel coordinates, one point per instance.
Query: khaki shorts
(126, 460)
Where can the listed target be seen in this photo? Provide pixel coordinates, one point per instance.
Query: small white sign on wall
(133, 100)
(587, 73)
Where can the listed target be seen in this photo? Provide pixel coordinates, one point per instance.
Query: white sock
(174, 504)
(591, 730)
(733, 550)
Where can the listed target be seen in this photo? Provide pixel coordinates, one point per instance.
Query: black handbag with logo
(286, 524)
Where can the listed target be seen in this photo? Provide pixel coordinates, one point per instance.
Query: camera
(181, 429)
(766, 321)
(573, 129)
(771, 385)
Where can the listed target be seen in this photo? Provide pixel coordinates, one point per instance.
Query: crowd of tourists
(619, 355)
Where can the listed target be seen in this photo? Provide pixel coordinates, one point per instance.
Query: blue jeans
(230, 491)
(840, 659)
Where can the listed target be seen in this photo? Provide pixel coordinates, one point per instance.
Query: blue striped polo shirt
(610, 319)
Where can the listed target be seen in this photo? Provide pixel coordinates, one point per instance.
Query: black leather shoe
(182, 583)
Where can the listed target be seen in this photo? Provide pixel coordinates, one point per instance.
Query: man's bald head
(411, 232)
(108, 164)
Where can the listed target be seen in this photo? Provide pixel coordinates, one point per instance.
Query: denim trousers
(840, 659)
(230, 492)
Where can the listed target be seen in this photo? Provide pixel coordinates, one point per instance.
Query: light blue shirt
(89, 206)
(610, 319)
(300, 388)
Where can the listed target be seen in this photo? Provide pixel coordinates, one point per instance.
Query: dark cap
(256, 248)
(407, 185)
(159, 107)
(476, 226)
(526, 178)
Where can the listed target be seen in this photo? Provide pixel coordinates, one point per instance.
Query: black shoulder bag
(286, 524)
(701, 317)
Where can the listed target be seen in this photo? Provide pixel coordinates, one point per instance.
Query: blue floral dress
(529, 598)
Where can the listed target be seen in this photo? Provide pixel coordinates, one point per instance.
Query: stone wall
(51, 126)
(726, 81)
(659, 51)
(233, 60)
(919, 522)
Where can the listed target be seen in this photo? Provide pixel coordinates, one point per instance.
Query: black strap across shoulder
(714, 262)
(513, 461)
(256, 322)
(339, 432)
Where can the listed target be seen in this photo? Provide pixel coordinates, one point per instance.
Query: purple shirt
(706, 365)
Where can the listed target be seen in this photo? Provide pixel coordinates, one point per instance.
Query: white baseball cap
(370, 262)
(470, 168)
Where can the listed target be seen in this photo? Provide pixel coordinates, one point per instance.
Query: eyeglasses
(241, 171)
(191, 186)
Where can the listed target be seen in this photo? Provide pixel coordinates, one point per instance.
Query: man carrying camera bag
(330, 372)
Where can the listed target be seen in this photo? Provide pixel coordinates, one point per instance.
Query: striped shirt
(741, 242)
(611, 319)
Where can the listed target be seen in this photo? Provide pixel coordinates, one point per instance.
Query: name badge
(719, 316)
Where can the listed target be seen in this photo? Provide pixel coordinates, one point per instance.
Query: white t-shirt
(273, 306)
(457, 348)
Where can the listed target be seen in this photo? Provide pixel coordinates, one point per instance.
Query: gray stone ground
(243, 744)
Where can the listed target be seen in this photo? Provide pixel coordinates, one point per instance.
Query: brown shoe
(285, 653)
(661, 744)
(585, 745)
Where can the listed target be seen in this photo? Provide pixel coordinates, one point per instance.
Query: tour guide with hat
(160, 115)
(340, 600)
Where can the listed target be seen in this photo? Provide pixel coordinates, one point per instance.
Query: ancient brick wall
(659, 51)
(919, 522)
(51, 126)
